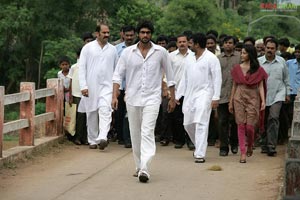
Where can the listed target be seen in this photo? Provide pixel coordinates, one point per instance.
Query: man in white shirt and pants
(142, 65)
(96, 66)
(179, 58)
(200, 86)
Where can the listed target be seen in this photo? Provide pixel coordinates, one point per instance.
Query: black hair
(297, 47)
(162, 38)
(64, 59)
(286, 55)
(239, 45)
(145, 24)
(254, 64)
(249, 39)
(128, 28)
(98, 28)
(172, 38)
(188, 34)
(212, 37)
(172, 44)
(213, 32)
(181, 35)
(229, 37)
(272, 40)
(268, 37)
(87, 35)
(284, 42)
(199, 38)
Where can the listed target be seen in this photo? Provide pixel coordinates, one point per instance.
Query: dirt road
(78, 173)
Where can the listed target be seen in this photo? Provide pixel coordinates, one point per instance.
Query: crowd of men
(175, 90)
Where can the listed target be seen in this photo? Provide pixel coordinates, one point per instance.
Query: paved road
(78, 173)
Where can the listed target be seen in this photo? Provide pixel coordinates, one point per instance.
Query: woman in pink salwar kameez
(247, 98)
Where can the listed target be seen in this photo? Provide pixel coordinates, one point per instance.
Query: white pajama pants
(142, 122)
(98, 124)
(198, 133)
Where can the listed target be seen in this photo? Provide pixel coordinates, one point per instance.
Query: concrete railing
(292, 163)
(53, 117)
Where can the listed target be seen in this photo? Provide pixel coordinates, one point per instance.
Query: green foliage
(131, 14)
(11, 115)
(52, 73)
(40, 108)
(194, 15)
(54, 49)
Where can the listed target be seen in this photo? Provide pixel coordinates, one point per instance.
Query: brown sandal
(249, 152)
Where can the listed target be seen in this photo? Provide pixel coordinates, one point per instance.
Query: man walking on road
(142, 66)
(227, 127)
(179, 58)
(200, 86)
(96, 66)
(278, 91)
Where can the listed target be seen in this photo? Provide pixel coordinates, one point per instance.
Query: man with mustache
(278, 91)
(179, 58)
(96, 66)
(142, 66)
(121, 122)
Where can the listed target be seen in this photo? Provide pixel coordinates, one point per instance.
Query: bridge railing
(53, 117)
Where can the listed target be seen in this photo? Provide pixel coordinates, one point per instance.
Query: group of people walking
(186, 91)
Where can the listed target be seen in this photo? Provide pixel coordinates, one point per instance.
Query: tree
(132, 13)
(194, 15)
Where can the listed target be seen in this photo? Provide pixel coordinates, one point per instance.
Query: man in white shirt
(96, 65)
(142, 66)
(179, 58)
(200, 86)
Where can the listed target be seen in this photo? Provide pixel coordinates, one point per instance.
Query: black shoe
(84, 142)
(271, 152)
(77, 142)
(234, 149)
(127, 145)
(178, 146)
(143, 177)
(264, 150)
(223, 153)
(164, 142)
(191, 146)
(199, 160)
(103, 144)
(120, 142)
(93, 146)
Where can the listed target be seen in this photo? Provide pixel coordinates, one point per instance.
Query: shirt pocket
(152, 73)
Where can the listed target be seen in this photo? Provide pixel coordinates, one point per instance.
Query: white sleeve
(167, 66)
(120, 69)
(83, 69)
(216, 77)
(181, 88)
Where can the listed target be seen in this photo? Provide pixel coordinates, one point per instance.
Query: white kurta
(96, 67)
(200, 85)
(178, 63)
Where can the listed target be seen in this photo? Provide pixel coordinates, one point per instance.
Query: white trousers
(142, 122)
(198, 133)
(98, 124)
